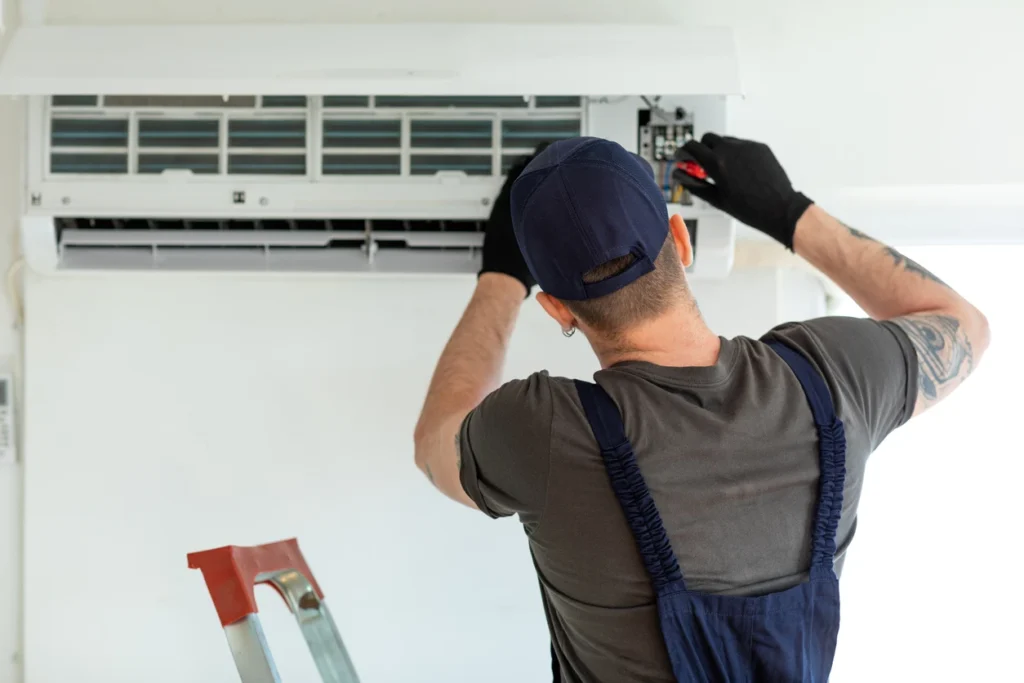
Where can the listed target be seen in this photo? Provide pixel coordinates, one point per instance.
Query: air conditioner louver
(274, 244)
(279, 245)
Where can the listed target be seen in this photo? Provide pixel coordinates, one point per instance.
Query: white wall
(12, 138)
(11, 122)
(930, 584)
(175, 413)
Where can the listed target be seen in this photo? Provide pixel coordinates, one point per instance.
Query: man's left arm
(469, 369)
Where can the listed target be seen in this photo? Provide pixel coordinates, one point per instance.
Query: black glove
(749, 185)
(501, 252)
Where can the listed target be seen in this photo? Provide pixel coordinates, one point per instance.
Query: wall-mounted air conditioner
(371, 148)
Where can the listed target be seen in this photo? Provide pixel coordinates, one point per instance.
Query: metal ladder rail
(231, 573)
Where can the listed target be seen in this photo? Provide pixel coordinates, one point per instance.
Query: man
(722, 430)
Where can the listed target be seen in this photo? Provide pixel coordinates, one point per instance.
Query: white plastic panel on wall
(174, 413)
(361, 59)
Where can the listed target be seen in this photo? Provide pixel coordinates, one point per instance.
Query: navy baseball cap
(581, 203)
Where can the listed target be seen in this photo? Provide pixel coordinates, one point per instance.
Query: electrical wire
(16, 298)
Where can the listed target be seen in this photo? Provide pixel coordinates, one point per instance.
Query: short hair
(646, 297)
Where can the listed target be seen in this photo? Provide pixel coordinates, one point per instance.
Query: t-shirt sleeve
(505, 444)
(872, 364)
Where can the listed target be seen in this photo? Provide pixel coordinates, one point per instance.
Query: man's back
(719, 429)
(729, 452)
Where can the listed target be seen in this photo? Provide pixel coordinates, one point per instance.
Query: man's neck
(679, 338)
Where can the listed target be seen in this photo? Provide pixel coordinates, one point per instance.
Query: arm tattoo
(944, 353)
(912, 266)
(430, 475)
(899, 260)
(857, 233)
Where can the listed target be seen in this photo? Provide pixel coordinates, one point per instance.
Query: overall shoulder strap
(629, 485)
(831, 452)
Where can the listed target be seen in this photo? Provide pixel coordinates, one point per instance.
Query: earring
(569, 332)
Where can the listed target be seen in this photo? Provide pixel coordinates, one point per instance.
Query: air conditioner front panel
(387, 59)
(374, 156)
(337, 183)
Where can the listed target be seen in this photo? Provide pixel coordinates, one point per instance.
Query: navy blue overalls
(787, 636)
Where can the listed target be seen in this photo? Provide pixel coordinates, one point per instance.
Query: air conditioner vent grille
(361, 133)
(526, 135)
(345, 101)
(179, 101)
(89, 132)
(362, 164)
(196, 163)
(88, 163)
(558, 101)
(281, 133)
(470, 164)
(267, 164)
(443, 101)
(285, 101)
(162, 132)
(288, 136)
(457, 133)
(74, 100)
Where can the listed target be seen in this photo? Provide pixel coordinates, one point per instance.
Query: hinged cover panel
(389, 59)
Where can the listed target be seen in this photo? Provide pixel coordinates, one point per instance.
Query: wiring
(657, 113)
(16, 298)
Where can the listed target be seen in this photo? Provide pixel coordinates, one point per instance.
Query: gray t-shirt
(730, 455)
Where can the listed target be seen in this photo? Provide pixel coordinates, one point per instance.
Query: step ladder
(231, 573)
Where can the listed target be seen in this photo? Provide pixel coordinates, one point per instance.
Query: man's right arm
(949, 333)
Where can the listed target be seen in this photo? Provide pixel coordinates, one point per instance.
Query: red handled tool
(693, 169)
(688, 173)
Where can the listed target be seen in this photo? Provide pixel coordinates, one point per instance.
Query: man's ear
(557, 310)
(681, 236)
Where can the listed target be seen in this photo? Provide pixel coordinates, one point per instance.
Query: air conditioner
(335, 148)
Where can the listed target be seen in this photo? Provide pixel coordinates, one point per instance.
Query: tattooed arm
(949, 334)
